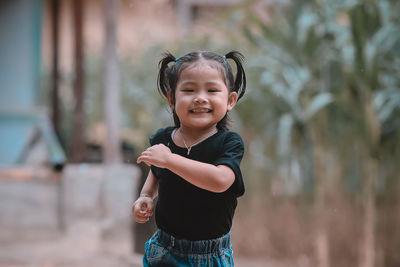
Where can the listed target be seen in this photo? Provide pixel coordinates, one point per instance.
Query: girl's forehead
(204, 66)
(201, 74)
(201, 63)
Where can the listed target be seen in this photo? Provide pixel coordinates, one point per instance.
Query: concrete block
(104, 192)
(28, 204)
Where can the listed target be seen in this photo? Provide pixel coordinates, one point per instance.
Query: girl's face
(202, 98)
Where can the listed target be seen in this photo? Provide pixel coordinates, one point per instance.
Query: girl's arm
(143, 207)
(206, 176)
(150, 187)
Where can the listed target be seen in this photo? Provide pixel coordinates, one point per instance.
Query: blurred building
(26, 134)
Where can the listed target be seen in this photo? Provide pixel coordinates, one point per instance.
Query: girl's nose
(200, 99)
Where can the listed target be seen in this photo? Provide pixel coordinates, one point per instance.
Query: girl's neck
(192, 136)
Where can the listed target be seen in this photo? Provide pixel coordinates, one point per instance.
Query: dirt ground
(75, 249)
(79, 252)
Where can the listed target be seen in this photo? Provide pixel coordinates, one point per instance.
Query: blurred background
(320, 121)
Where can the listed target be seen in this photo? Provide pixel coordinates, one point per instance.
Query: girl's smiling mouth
(200, 110)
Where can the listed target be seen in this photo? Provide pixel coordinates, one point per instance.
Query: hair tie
(176, 59)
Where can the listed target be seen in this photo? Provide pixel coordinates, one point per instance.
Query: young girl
(195, 166)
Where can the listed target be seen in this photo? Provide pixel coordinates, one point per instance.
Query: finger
(137, 209)
(142, 159)
(142, 213)
(143, 156)
(145, 153)
(141, 219)
(146, 162)
(143, 207)
(141, 216)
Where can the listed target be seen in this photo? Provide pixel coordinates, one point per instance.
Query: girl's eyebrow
(217, 82)
(189, 82)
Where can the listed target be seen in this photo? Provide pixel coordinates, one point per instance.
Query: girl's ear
(170, 101)
(232, 100)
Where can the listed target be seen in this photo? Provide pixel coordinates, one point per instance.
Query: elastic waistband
(193, 247)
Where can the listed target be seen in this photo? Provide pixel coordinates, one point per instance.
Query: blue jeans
(162, 249)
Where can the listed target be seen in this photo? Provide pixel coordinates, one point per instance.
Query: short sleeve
(231, 156)
(157, 138)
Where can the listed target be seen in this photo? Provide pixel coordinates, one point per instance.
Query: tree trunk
(112, 152)
(371, 173)
(321, 237)
(368, 246)
(78, 134)
(55, 107)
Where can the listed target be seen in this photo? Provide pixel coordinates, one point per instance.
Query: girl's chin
(200, 125)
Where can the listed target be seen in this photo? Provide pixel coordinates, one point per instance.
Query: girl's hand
(156, 155)
(142, 209)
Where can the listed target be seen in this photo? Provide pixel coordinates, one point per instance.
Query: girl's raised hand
(156, 155)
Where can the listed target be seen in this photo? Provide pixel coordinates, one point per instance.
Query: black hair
(168, 75)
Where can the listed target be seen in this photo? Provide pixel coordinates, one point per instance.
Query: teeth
(200, 110)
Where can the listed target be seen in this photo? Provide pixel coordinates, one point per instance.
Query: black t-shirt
(187, 211)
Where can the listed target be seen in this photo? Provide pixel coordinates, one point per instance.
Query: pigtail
(162, 80)
(240, 80)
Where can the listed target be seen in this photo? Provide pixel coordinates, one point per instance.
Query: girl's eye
(212, 90)
(187, 90)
